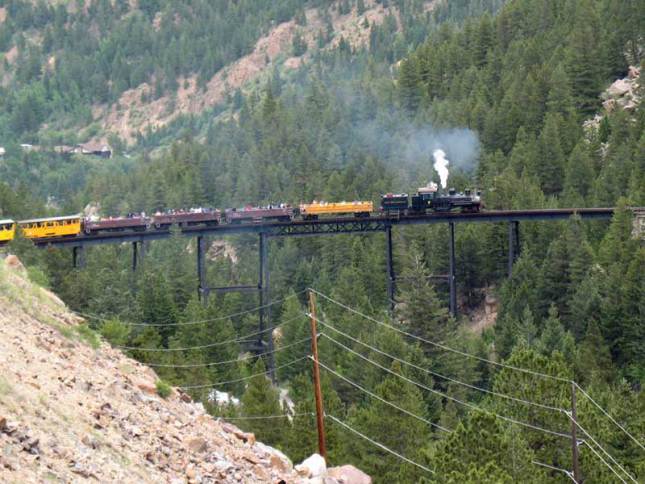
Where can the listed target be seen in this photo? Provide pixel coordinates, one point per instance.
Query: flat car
(116, 224)
(202, 216)
(40, 228)
(282, 213)
(7, 231)
(310, 211)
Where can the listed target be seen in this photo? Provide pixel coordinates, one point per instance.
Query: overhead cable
(220, 383)
(373, 395)
(439, 375)
(441, 345)
(609, 416)
(263, 417)
(605, 462)
(379, 445)
(236, 360)
(569, 474)
(449, 397)
(211, 345)
(190, 323)
(584, 431)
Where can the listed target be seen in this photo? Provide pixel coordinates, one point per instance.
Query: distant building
(96, 149)
(2, 151)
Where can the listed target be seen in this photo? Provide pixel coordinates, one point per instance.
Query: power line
(485, 360)
(373, 395)
(449, 397)
(559, 469)
(262, 417)
(605, 462)
(190, 323)
(379, 445)
(219, 383)
(610, 417)
(216, 363)
(211, 345)
(439, 375)
(440, 345)
(577, 424)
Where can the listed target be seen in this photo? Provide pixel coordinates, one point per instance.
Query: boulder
(619, 88)
(14, 263)
(348, 474)
(197, 444)
(312, 467)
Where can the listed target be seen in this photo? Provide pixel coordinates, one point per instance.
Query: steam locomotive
(429, 198)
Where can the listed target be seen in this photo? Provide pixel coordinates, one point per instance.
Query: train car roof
(50, 219)
(6, 221)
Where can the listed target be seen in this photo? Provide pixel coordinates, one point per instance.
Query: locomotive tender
(426, 199)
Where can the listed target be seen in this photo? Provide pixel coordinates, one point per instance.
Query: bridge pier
(452, 277)
(391, 276)
(513, 244)
(78, 256)
(202, 289)
(138, 255)
(265, 308)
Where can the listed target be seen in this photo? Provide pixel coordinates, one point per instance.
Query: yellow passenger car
(7, 231)
(40, 228)
(358, 209)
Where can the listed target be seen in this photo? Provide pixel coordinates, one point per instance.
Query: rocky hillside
(74, 409)
(130, 115)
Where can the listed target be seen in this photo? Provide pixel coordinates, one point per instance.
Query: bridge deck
(337, 225)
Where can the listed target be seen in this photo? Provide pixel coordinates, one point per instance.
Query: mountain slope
(72, 408)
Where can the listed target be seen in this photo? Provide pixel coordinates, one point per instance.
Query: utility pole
(574, 438)
(322, 450)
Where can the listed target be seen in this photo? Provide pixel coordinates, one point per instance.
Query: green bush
(88, 335)
(163, 389)
(38, 276)
(116, 332)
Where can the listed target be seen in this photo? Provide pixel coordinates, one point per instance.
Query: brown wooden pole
(322, 449)
(574, 438)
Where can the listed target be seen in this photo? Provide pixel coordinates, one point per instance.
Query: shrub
(163, 389)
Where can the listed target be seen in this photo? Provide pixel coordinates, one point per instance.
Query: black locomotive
(430, 199)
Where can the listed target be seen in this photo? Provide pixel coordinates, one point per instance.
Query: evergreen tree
(482, 443)
(403, 433)
(420, 309)
(262, 398)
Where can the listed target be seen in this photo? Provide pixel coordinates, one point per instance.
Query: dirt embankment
(74, 409)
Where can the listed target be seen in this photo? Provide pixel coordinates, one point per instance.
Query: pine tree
(409, 80)
(529, 387)
(551, 162)
(297, 329)
(398, 431)
(261, 398)
(420, 308)
(480, 448)
(303, 437)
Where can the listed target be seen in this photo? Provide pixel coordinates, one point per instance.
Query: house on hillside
(97, 149)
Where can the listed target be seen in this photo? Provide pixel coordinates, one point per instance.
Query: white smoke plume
(441, 165)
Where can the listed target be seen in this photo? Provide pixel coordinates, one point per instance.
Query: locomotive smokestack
(441, 165)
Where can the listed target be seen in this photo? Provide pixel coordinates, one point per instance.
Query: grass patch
(37, 276)
(5, 386)
(88, 335)
(163, 389)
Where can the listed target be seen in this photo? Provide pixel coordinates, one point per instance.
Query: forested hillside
(516, 95)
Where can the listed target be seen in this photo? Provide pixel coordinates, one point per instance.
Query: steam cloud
(409, 149)
(441, 165)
